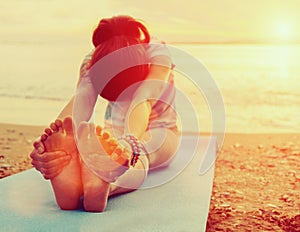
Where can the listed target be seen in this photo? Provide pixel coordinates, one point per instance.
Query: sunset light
(150, 115)
(284, 32)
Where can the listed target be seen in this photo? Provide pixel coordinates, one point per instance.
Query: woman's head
(111, 35)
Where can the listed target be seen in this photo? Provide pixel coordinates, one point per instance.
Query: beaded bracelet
(137, 147)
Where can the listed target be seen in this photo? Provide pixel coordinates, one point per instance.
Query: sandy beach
(251, 53)
(256, 185)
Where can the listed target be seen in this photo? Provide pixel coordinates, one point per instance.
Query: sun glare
(284, 32)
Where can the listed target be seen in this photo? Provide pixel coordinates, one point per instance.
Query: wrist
(134, 145)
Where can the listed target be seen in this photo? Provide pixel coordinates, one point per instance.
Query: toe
(112, 142)
(68, 125)
(105, 135)
(44, 137)
(48, 131)
(36, 144)
(98, 130)
(120, 157)
(83, 130)
(58, 123)
(54, 127)
(92, 128)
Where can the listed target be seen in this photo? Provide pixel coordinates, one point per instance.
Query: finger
(39, 146)
(60, 162)
(54, 169)
(34, 155)
(36, 165)
(48, 156)
(52, 175)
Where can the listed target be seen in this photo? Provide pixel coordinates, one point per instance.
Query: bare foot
(59, 137)
(103, 162)
(101, 153)
(67, 185)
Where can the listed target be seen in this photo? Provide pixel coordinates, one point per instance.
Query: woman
(140, 104)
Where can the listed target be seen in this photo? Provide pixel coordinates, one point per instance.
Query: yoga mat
(181, 204)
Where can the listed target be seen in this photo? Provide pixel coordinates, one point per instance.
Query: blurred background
(251, 49)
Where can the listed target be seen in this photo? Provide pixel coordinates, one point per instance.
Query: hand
(49, 164)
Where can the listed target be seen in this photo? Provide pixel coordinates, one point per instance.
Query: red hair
(113, 34)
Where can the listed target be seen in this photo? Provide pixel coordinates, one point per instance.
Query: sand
(15, 146)
(256, 185)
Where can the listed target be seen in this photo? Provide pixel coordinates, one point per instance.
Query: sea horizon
(258, 83)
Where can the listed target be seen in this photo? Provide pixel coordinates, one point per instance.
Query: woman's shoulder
(157, 47)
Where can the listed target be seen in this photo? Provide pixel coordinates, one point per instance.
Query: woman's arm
(84, 101)
(67, 110)
(146, 95)
(53, 162)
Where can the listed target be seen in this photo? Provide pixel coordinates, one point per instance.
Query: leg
(132, 179)
(162, 152)
(95, 191)
(98, 152)
(162, 145)
(67, 185)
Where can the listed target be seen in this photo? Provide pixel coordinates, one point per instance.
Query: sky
(174, 21)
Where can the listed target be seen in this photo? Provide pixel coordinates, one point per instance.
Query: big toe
(83, 130)
(68, 125)
(92, 128)
(98, 130)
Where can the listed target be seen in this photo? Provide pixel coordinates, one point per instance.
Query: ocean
(259, 83)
